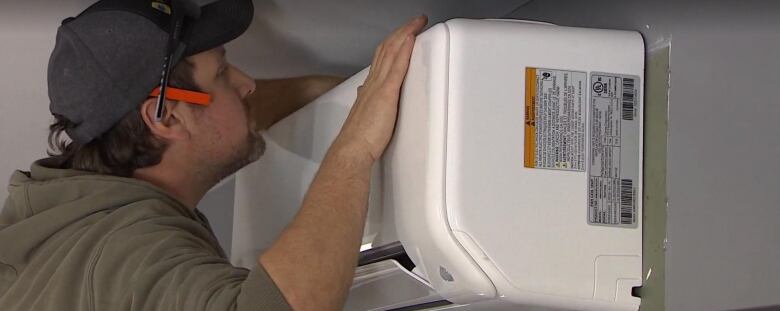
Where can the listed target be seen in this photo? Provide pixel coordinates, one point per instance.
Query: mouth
(255, 134)
(251, 124)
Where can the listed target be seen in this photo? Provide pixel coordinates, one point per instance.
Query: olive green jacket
(73, 240)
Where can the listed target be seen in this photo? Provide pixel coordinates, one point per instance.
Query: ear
(172, 127)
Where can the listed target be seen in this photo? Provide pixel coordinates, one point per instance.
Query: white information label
(613, 172)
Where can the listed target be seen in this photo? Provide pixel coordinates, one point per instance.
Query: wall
(27, 31)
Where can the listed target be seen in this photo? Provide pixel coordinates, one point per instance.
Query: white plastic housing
(477, 222)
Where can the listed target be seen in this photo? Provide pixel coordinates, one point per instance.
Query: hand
(371, 121)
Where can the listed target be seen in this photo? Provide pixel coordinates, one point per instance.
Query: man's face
(222, 138)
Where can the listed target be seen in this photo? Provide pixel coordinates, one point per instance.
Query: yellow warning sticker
(555, 119)
(530, 117)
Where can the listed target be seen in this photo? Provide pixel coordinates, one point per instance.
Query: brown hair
(127, 146)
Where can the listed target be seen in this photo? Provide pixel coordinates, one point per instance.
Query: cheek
(229, 118)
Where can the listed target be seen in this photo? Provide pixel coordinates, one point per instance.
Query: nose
(246, 85)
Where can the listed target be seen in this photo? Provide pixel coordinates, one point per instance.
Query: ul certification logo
(600, 87)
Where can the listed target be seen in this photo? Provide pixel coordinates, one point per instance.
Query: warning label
(555, 119)
(613, 172)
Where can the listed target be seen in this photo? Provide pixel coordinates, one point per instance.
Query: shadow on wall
(298, 37)
(288, 52)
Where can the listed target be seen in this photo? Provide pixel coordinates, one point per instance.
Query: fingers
(401, 63)
(414, 26)
(387, 52)
(394, 43)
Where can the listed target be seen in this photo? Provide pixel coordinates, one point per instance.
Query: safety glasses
(175, 51)
(177, 94)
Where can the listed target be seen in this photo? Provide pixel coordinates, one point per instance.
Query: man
(109, 222)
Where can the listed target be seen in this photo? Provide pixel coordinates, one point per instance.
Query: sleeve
(171, 263)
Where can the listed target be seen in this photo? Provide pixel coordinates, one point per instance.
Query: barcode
(626, 201)
(628, 99)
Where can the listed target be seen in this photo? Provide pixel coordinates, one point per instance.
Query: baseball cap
(108, 59)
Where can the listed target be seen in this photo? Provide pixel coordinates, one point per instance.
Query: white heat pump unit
(514, 179)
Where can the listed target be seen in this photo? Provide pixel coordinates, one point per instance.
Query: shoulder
(155, 222)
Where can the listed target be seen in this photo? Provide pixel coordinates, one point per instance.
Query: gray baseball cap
(108, 59)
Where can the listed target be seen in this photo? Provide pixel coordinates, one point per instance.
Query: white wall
(27, 32)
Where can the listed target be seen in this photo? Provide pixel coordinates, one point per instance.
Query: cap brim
(220, 22)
